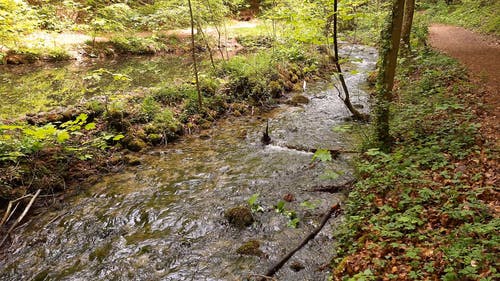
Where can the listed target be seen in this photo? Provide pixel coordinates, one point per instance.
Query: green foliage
(411, 206)
(310, 205)
(249, 76)
(16, 19)
(293, 220)
(479, 15)
(21, 140)
(254, 205)
(322, 155)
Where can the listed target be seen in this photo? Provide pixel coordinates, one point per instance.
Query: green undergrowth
(134, 45)
(481, 15)
(424, 211)
(55, 149)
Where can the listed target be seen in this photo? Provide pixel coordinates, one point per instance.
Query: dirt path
(481, 55)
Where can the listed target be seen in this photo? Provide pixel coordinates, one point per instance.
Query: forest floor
(429, 209)
(480, 54)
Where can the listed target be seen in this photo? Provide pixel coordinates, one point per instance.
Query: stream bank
(163, 220)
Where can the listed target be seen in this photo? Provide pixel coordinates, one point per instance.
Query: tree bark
(193, 54)
(391, 37)
(407, 23)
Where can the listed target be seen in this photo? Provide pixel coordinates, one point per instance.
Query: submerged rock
(296, 266)
(299, 99)
(132, 160)
(240, 216)
(251, 248)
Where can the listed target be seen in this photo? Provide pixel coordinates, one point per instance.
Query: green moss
(134, 143)
(77, 266)
(42, 275)
(299, 99)
(250, 248)
(240, 216)
(101, 253)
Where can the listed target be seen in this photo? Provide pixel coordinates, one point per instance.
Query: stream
(164, 219)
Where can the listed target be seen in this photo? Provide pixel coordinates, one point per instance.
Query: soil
(480, 54)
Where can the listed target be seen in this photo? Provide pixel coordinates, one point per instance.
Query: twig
(262, 277)
(7, 214)
(20, 218)
(13, 211)
(334, 211)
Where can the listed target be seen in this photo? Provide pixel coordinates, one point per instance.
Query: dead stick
(334, 210)
(8, 213)
(20, 218)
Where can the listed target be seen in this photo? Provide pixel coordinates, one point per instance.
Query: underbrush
(426, 210)
(481, 15)
(133, 45)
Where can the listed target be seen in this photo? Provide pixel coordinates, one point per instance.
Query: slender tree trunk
(207, 44)
(391, 37)
(193, 53)
(219, 35)
(407, 23)
(346, 99)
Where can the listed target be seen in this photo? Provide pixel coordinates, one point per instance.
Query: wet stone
(299, 99)
(240, 216)
(296, 266)
(289, 197)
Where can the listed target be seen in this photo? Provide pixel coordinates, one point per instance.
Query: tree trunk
(407, 23)
(391, 36)
(207, 44)
(219, 35)
(347, 100)
(193, 54)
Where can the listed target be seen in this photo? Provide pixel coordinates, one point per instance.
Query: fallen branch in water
(20, 218)
(334, 188)
(334, 211)
(334, 152)
(262, 277)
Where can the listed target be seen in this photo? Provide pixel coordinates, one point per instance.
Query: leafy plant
(293, 220)
(254, 205)
(322, 155)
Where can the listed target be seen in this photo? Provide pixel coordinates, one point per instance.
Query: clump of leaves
(293, 220)
(253, 202)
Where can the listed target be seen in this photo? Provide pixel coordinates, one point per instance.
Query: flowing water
(164, 220)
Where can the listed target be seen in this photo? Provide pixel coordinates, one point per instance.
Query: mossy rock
(275, 89)
(154, 139)
(299, 99)
(239, 216)
(134, 144)
(132, 160)
(100, 253)
(251, 248)
(288, 85)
